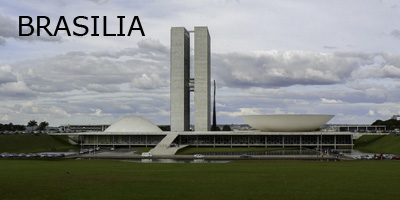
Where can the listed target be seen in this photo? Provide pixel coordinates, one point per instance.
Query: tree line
(32, 123)
(390, 124)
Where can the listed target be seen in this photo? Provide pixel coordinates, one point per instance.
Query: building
(136, 131)
(361, 128)
(83, 128)
(180, 78)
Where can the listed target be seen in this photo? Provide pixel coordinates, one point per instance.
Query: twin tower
(182, 84)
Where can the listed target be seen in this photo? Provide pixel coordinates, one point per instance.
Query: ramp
(164, 147)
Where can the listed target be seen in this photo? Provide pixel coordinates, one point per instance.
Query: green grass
(379, 143)
(100, 179)
(33, 143)
(193, 150)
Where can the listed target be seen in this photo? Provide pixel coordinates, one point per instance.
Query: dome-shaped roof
(133, 124)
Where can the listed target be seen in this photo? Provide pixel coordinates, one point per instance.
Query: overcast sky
(268, 57)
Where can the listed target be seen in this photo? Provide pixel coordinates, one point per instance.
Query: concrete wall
(180, 75)
(202, 76)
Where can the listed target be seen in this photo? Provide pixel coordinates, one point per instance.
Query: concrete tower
(180, 76)
(181, 83)
(202, 77)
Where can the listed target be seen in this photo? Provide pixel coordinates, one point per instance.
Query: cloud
(395, 34)
(103, 88)
(330, 101)
(17, 89)
(2, 41)
(371, 112)
(99, 113)
(283, 68)
(386, 111)
(7, 75)
(148, 49)
(389, 71)
(329, 47)
(29, 109)
(98, 71)
(274, 69)
(134, 82)
(151, 81)
(218, 105)
(5, 118)
(11, 85)
(99, 2)
(123, 77)
(9, 29)
(243, 111)
(152, 45)
(383, 65)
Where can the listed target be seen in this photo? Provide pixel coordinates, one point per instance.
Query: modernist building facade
(325, 140)
(125, 132)
(83, 128)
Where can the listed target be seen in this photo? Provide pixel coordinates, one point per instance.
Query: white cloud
(2, 41)
(371, 112)
(243, 111)
(386, 112)
(395, 34)
(5, 118)
(103, 88)
(7, 75)
(98, 1)
(17, 89)
(283, 68)
(330, 101)
(151, 81)
(152, 45)
(98, 71)
(99, 113)
(27, 107)
(278, 111)
(306, 58)
(218, 105)
(9, 29)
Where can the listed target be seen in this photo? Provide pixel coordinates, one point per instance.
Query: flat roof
(205, 133)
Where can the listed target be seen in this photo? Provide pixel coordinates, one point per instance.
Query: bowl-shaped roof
(133, 124)
(286, 122)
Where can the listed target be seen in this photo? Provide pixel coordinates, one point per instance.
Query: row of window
(244, 140)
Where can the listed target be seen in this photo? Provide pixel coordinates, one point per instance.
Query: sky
(268, 57)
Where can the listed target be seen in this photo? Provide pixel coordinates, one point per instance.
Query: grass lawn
(379, 143)
(101, 179)
(31, 143)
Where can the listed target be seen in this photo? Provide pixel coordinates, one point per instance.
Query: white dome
(133, 124)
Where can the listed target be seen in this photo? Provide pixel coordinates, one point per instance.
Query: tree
(32, 123)
(216, 128)
(165, 128)
(11, 127)
(226, 128)
(390, 124)
(377, 122)
(42, 126)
